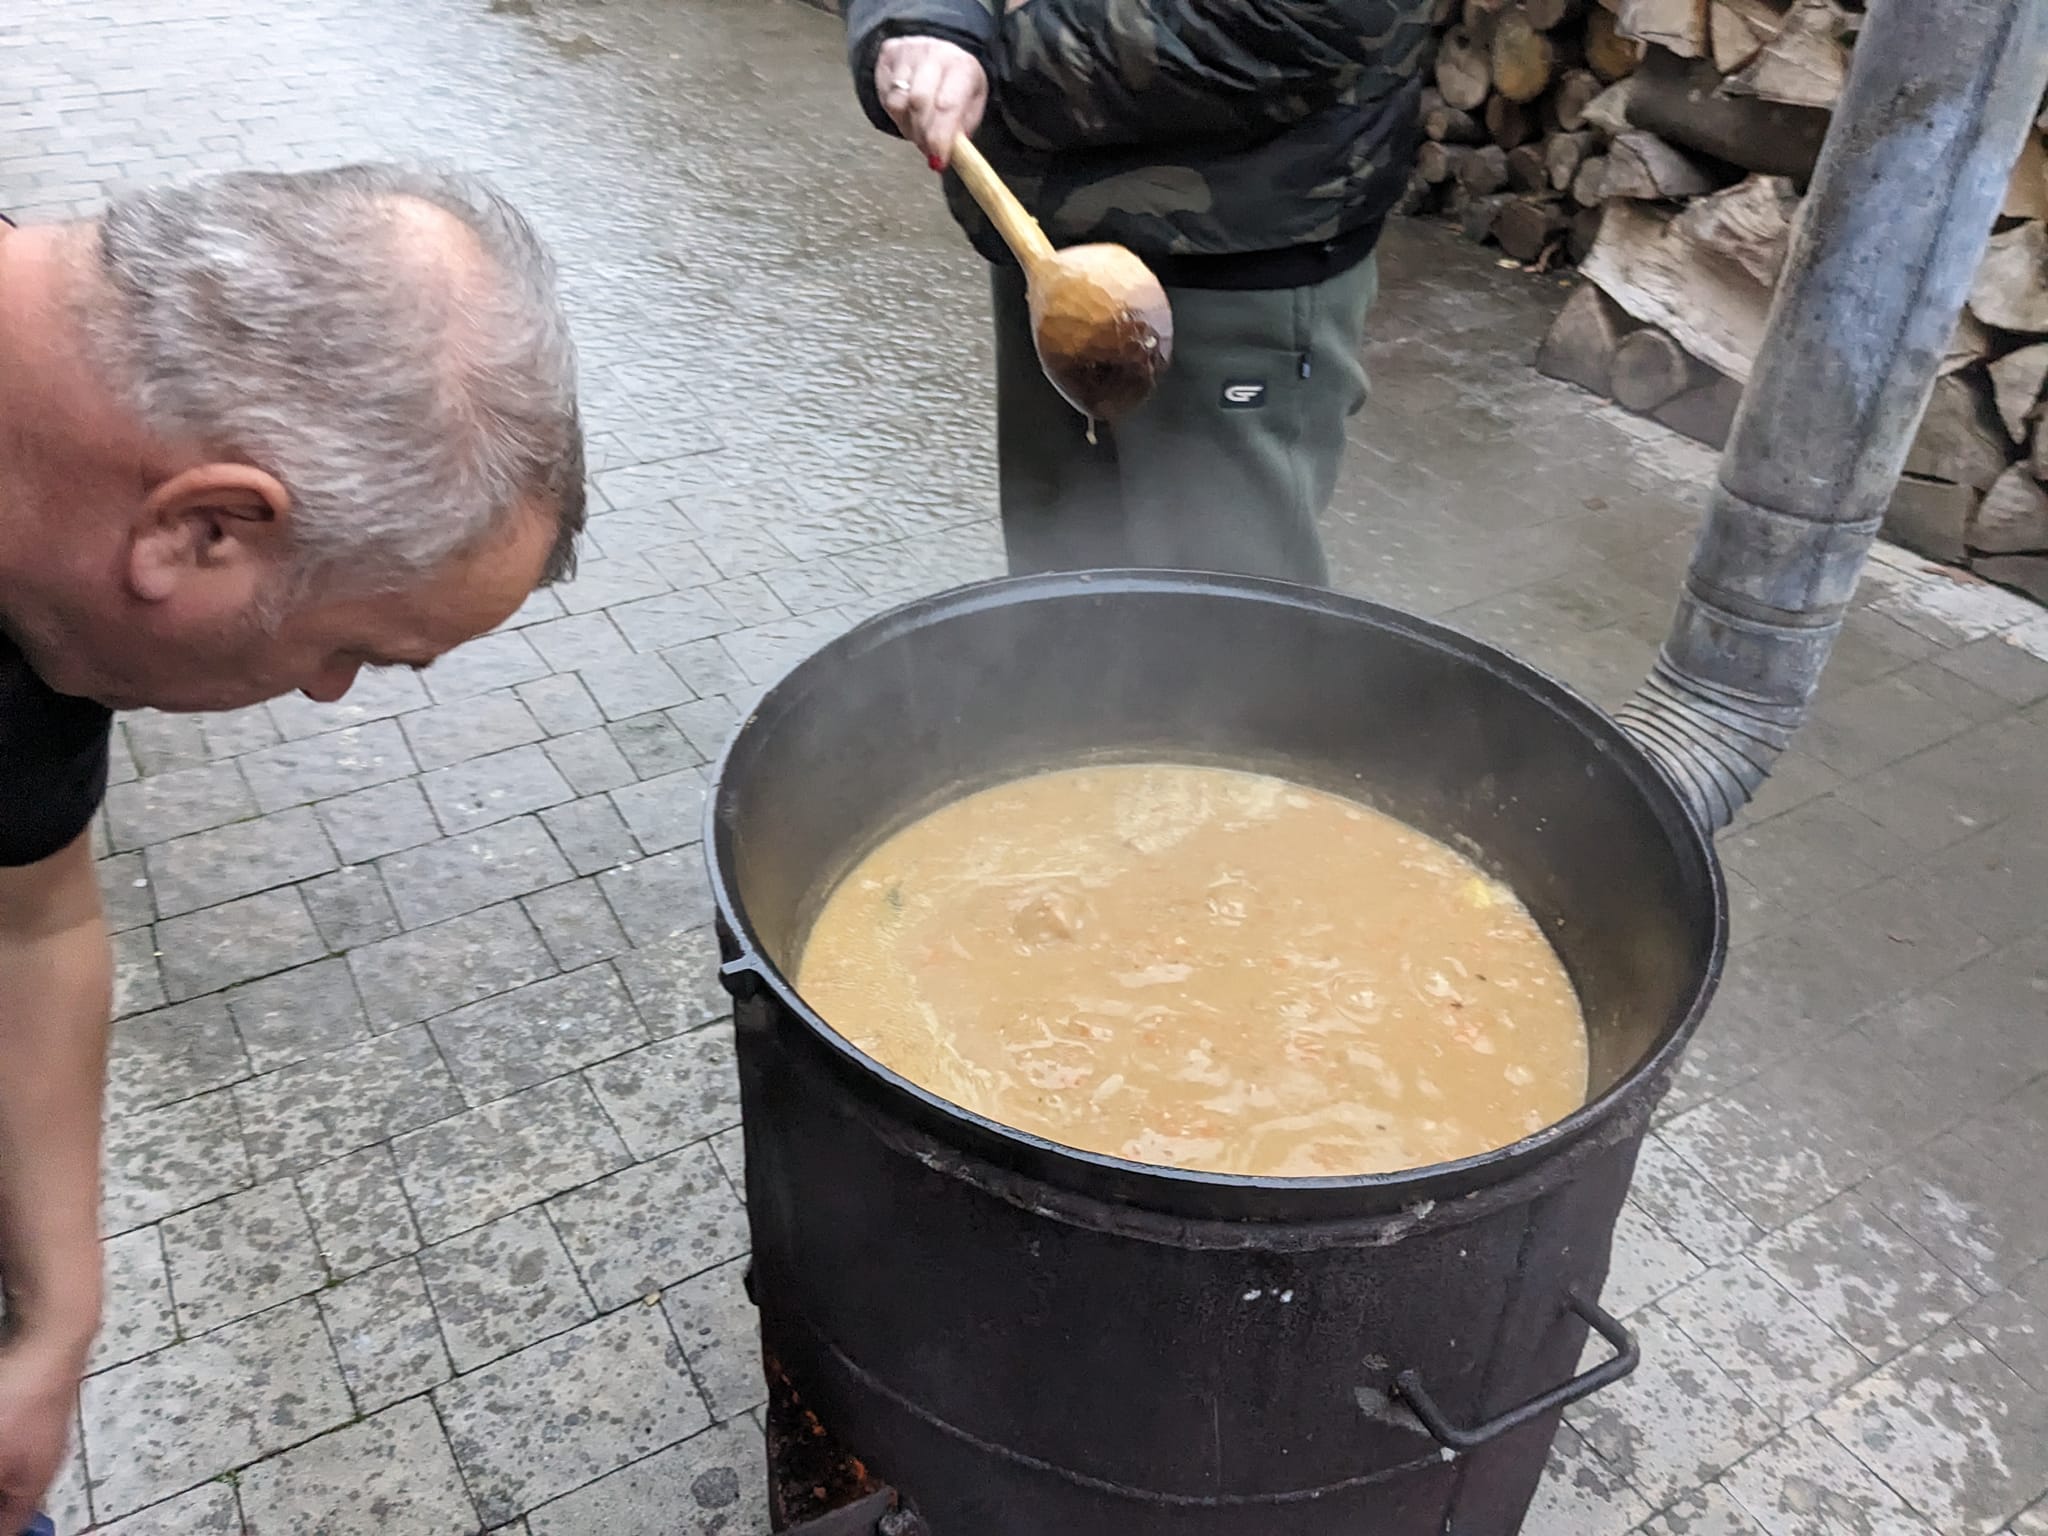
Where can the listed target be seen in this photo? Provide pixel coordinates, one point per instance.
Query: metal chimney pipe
(1940, 96)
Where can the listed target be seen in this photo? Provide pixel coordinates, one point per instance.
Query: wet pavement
(421, 1196)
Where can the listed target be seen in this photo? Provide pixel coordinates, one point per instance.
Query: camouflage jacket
(1181, 128)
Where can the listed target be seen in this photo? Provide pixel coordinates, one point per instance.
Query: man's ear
(218, 519)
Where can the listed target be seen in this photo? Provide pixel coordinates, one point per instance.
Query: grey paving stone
(1581, 1495)
(750, 600)
(289, 1017)
(813, 586)
(665, 812)
(138, 982)
(583, 640)
(1998, 666)
(474, 727)
(168, 805)
(241, 1255)
(1793, 1138)
(590, 834)
(1953, 1423)
(660, 898)
(540, 1031)
(1783, 1357)
(1648, 1264)
(1806, 1483)
(390, 1473)
(669, 1094)
(721, 1337)
(495, 661)
(164, 743)
(766, 651)
(1684, 1202)
(330, 1105)
(67, 1502)
(137, 1317)
(460, 874)
(207, 868)
(561, 705)
(675, 982)
(513, 1152)
(386, 1336)
(591, 761)
(237, 941)
(707, 667)
(540, 605)
(125, 893)
(503, 1286)
(707, 723)
(1964, 1206)
(385, 818)
(731, 1147)
(209, 1510)
(322, 767)
(172, 1420)
(170, 1159)
(603, 583)
(238, 731)
(377, 694)
(1956, 789)
(1677, 1423)
(170, 1054)
(432, 970)
(709, 1485)
(351, 907)
(634, 685)
(489, 789)
(1988, 881)
(653, 745)
(576, 924)
(1815, 853)
(675, 618)
(1864, 1277)
(568, 1410)
(1873, 726)
(649, 1226)
(1712, 1511)
(358, 1210)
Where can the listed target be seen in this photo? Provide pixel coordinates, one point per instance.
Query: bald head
(386, 342)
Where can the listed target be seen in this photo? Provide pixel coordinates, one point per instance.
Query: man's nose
(333, 683)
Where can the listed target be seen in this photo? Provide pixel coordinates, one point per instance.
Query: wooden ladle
(1099, 318)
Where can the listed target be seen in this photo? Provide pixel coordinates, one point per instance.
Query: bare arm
(55, 980)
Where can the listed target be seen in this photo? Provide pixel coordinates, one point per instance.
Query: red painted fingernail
(935, 162)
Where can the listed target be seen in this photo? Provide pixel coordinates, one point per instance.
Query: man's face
(170, 661)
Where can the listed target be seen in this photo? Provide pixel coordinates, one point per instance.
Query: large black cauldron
(1025, 1339)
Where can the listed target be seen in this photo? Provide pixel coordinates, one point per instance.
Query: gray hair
(410, 395)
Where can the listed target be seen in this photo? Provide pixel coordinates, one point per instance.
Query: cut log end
(1582, 341)
(1529, 226)
(1650, 370)
(1523, 59)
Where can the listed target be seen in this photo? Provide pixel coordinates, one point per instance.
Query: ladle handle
(1019, 230)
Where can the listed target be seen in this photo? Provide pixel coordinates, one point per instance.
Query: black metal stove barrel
(1023, 1338)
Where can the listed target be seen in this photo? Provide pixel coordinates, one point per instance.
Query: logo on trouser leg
(1244, 394)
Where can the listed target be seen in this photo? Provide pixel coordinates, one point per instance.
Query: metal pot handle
(1628, 1354)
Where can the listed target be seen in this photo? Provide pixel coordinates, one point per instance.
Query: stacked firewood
(1664, 145)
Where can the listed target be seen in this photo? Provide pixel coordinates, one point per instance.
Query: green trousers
(1226, 468)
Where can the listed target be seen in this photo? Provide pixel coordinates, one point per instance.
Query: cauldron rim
(1195, 1191)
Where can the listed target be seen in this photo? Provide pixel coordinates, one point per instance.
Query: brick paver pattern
(422, 1192)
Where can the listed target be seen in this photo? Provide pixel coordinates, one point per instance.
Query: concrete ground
(421, 1203)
